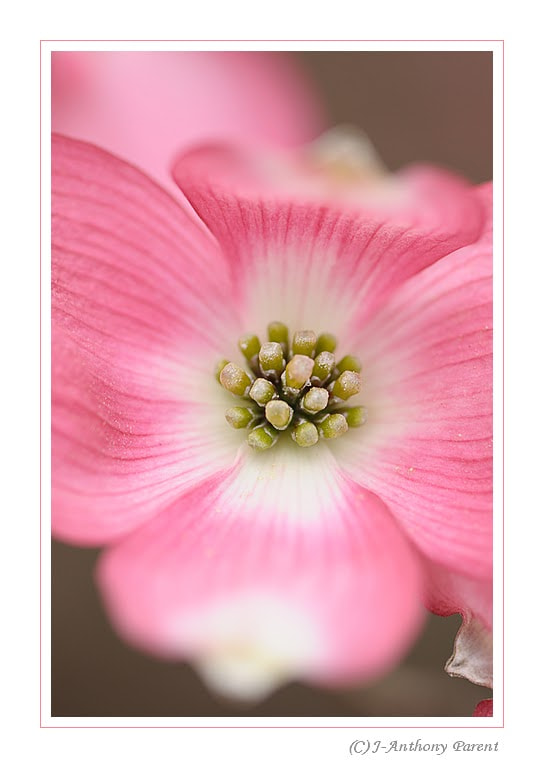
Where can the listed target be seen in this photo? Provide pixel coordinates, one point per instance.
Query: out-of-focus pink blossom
(147, 106)
(295, 562)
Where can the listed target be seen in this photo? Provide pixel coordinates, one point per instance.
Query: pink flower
(308, 562)
(342, 170)
(146, 106)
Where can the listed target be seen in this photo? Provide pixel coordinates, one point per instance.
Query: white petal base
(251, 653)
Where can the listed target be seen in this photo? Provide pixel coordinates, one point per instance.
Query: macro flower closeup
(276, 420)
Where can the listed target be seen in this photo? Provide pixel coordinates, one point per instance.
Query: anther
(298, 371)
(278, 413)
(355, 416)
(249, 345)
(278, 332)
(315, 400)
(326, 342)
(271, 358)
(346, 385)
(239, 417)
(262, 438)
(235, 379)
(323, 366)
(298, 389)
(305, 434)
(333, 426)
(262, 391)
(349, 363)
(219, 367)
(304, 343)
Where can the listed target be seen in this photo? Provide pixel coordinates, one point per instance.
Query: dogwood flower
(296, 544)
(342, 170)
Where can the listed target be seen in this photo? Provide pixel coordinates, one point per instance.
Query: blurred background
(433, 107)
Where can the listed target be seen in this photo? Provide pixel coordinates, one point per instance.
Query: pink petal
(313, 264)
(426, 449)
(484, 708)
(135, 410)
(426, 198)
(147, 106)
(450, 592)
(285, 560)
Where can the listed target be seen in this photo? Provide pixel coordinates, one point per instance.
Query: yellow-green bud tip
(262, 438)
(219, 367)
(346, 385)
(305, 434)
(278, 413)
(356, 416)
(249, 345)
(234, 379)
(304, 343)
(271, 357)
(333, 426)
(323, 365)
(349, 363)
(278, 332)
(326, 342)
(315, 400)
(298, 371)
(238, 417)
(262, 391)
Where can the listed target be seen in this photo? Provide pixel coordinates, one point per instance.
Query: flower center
(296, 387)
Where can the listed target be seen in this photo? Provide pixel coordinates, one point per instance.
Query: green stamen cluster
(297, 387)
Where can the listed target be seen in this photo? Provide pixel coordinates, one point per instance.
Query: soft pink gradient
(147, 106)
(144, 303)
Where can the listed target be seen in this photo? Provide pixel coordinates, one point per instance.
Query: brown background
(418, 106)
